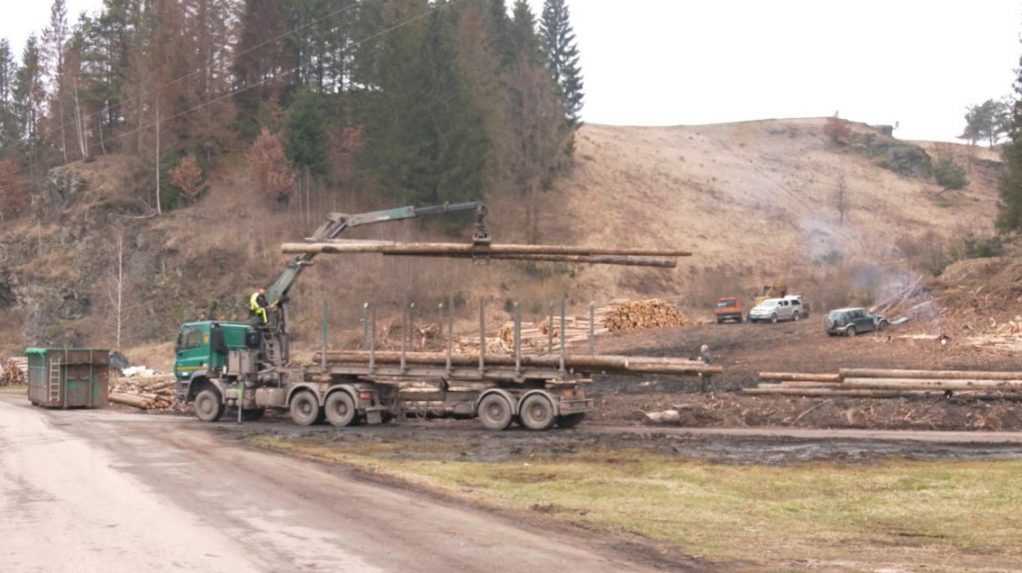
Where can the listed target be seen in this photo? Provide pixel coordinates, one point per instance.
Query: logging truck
(246, 367)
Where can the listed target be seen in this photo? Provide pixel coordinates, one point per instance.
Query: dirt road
(104, 491)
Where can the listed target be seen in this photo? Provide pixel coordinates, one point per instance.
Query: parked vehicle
(853, 321)
(799, 305)
(776, 310)
(729, 308)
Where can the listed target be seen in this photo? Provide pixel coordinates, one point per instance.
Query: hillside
(754, 201)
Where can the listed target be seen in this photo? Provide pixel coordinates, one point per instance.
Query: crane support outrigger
(245, 366)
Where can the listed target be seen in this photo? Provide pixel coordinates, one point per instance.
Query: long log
(601, 362)
(801, 384)
(799, 377)
(928, 374)
(921, 384)
(866, 393)
(624, 261)
(436, 249)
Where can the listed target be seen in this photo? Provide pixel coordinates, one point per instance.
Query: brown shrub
(271, 169)
(14, 198)
(837, 130)
(187, 177)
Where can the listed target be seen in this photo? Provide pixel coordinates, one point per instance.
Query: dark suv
(852, 321)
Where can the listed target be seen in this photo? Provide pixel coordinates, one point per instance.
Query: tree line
(414, 101)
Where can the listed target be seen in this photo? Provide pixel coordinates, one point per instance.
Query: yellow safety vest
(253, 302)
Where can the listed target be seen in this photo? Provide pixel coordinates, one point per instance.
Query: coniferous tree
(54, 37)
(524, 39)
(9, 135)
(1009, 217)
(561, 50)
(499, 31)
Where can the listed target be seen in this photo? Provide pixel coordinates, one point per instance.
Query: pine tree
(54, 37)
(1009, 217)
(523, 32)
(424, 139)
(29, 92)
(498, 26)
(8, 127)
(562, 55)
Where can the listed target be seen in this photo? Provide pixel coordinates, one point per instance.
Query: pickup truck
(729, 308)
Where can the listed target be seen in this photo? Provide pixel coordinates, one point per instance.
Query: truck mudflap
(374, 414)
(566, 407)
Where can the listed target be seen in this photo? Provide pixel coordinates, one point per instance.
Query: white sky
(667, 62)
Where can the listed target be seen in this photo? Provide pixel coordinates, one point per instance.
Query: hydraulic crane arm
(337, 223)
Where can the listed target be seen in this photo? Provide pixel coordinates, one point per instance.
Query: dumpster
(68, 377)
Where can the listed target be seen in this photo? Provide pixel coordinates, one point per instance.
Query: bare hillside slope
(761, 196)
(755, 202)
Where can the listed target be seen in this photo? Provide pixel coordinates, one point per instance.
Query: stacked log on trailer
(890, 383)
(145, 392)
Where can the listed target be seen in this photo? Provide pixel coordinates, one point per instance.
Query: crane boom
(337, 223)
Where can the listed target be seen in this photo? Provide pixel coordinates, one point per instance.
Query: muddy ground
(745, 349)
(465, 441)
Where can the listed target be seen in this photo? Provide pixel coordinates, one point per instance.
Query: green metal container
(68, 377)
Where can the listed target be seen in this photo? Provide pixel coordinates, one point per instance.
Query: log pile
(639, 314)
(888, 383)
(618, 316)
(14, 371)
(154, 393)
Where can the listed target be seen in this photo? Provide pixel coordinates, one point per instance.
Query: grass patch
(950, 515)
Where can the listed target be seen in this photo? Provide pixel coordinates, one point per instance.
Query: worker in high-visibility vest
(257, 304)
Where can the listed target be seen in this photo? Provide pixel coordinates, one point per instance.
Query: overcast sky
(668, 62)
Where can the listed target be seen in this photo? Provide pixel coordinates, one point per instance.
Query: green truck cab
(202, 347)
(220, 365)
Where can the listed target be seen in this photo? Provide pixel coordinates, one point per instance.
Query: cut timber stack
(618, 316)
(145, 392)
(634, 315)
(14, 371)
(885, 383)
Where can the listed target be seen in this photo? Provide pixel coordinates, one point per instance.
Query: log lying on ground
(867, 393)
(393, 248)
(599, 362)
(928, 374)
(624, 261)
(799, 377)
(130, 400)
(922, 384)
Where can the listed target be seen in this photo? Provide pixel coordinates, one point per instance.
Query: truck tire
(773, 319)
(208, 406)
(570, 420)
(495, 412)
(304, 409)
(850, 332)
(537, 413)
(340, 409)
(796, 317)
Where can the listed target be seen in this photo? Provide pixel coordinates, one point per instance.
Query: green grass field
(911, 515)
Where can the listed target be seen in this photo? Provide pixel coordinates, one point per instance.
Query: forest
(399, 101)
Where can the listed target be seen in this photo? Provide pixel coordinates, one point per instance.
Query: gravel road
(106, 491)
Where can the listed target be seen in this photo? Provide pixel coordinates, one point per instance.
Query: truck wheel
(304, 409)
(495, 412)
(850, 331)
(570, 420)
(537, 413)
(796, 317)
(208, 406)
(773, 319)
(340, 409)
